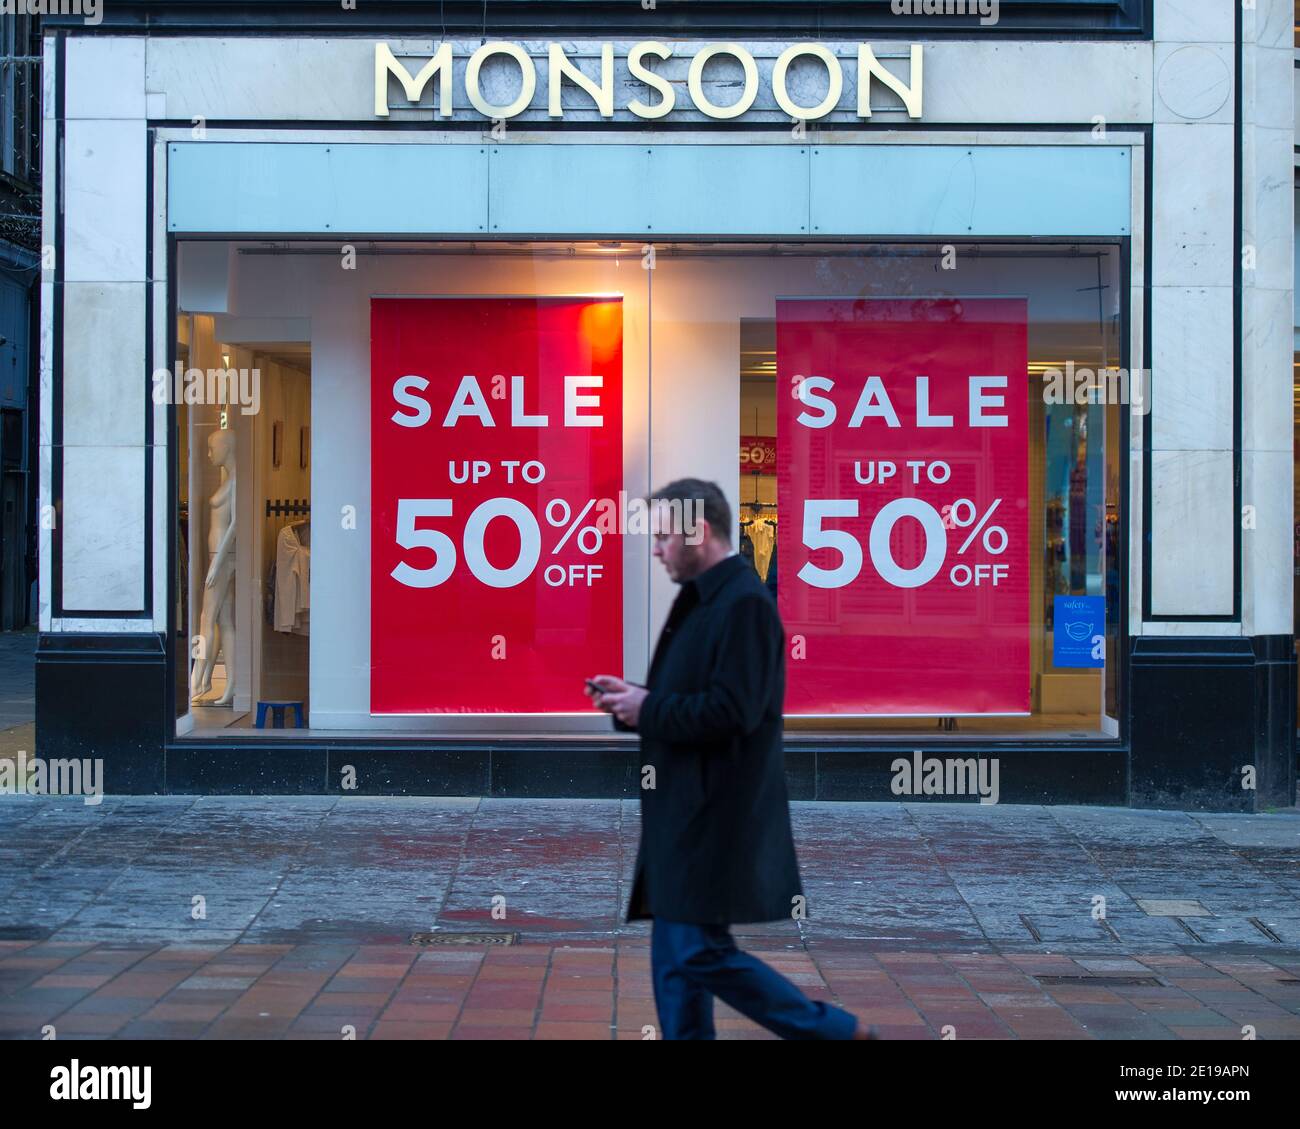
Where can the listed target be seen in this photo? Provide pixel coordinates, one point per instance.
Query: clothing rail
(292, 506)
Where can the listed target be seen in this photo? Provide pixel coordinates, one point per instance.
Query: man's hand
(618, 697)
(608, 684)
(626, 706)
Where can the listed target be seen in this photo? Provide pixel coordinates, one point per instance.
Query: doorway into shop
(244, 530)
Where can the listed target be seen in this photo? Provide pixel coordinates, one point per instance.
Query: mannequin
(217, 620)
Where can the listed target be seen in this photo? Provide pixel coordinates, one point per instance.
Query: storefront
(362, 349)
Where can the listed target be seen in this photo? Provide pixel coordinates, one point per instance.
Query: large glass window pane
(279, 463)
(721, 306)
(390, 516)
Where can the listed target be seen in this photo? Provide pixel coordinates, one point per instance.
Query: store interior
(1075, 484)
(244, 530)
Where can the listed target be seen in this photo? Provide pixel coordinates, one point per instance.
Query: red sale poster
(758, 454)
(496, 432)
(903, 494)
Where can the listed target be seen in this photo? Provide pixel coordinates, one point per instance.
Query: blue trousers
(690, 964)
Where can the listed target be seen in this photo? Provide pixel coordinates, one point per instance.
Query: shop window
(1032, 517)
(395, 513)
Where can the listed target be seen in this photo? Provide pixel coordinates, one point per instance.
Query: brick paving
(292, 917)
(587, 990)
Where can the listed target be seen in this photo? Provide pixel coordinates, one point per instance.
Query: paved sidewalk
(17, 694)
(184, 917)
(17, 678)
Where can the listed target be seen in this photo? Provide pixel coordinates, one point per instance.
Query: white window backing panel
(655, 189)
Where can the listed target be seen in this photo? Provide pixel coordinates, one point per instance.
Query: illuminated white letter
(696, 73)
(386, 63)
(665, 88)
(869, 66)
(528, 86)
(561, 68)
(833, 71)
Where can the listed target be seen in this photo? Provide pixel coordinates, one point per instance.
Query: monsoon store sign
(638, 84)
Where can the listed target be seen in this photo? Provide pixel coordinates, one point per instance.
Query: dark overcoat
(716, 846)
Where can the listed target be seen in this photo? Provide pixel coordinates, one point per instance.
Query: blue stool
(277, 714)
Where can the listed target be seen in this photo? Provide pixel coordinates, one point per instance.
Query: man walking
(716, 847)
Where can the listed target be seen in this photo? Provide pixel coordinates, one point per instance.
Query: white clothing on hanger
(292, 582)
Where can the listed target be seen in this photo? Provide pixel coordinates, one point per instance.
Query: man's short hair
(693, 498)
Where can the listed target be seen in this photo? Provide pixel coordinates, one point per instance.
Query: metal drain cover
(1100, 981)
(464, 938)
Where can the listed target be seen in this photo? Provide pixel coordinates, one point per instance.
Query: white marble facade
(1183, 85)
